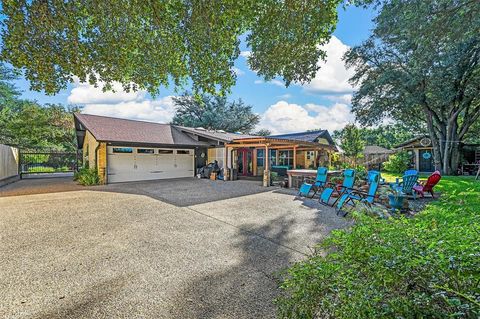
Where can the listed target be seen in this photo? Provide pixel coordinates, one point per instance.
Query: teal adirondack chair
(347, 186)
(319, 183)
(406, 173)
(359, 196)
(406, 185)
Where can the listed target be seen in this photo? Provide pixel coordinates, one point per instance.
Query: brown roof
(217, 135)
(375, 149)
(109, 129)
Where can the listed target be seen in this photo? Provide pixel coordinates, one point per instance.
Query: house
(128, 150)
(421, 151)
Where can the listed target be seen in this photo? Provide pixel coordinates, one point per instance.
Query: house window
(145, 151)
(285, 158)
(162, 151)
(260, 157)
(273, 157)
(310, 155)
(183, 152)
(123, 150)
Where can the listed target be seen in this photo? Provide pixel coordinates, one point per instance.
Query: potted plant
(337, 181)
(396, 199)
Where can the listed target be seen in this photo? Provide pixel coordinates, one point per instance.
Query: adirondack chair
(407, 172)
(316, 185)
(428, 185)
(406, 185)
(347, 186)
(360, 196)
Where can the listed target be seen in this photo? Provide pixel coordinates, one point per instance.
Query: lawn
(426, 266)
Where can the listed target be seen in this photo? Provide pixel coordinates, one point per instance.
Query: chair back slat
(410, 172)
(408, 182)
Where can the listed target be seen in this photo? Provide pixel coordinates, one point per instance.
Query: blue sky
(324, 103)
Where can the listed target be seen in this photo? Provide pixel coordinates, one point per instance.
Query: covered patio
(259, 156)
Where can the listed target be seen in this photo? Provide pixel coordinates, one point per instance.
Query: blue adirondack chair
(319, 183)
(406, 185)
(356, 195)
(406, 173)
(347, 186)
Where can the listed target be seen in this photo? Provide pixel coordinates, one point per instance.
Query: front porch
(259, 156)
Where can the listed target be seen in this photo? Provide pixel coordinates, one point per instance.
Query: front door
(245, 162)
(426, 160)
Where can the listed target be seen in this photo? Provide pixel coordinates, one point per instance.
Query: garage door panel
(144, 164)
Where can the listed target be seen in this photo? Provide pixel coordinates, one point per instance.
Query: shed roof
(375, 149)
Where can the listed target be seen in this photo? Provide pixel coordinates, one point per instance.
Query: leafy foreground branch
(422, 267)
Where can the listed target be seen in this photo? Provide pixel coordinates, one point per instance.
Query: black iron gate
(47, 162)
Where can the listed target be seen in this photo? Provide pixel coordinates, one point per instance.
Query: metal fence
(47, 162)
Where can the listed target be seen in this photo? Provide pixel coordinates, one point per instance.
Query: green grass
(427, 266)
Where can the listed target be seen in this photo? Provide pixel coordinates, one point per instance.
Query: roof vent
(221, 131)
(200, 128)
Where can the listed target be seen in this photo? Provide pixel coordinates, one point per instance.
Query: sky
(324, 103)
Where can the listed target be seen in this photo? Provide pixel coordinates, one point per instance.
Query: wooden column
(266, 172)
(295, 157)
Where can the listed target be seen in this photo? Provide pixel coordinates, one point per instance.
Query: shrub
(422, 267)
(87, 176)
(397, 163)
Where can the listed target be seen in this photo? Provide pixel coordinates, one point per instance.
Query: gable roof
(309, 136)
(110, 129)
(375, 149)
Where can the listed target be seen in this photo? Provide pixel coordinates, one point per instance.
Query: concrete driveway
(137, 250)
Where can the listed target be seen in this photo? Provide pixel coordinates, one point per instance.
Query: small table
(312, 173)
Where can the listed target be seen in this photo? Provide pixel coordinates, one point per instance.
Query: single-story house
(129, 150)
(421, 151)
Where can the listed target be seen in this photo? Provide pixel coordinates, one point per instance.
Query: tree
(387, 136)
(421, 65)
(214, 113)
(262, 132)
(29, 125)
(351, 142)
(146, 44)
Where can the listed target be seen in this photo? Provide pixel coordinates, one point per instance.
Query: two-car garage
(126, 164)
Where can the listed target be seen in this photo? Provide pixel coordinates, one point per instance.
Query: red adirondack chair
(427, 186)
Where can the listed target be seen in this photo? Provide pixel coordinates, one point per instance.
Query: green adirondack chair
(406, 185)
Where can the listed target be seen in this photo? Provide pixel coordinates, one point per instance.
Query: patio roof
(278, 142)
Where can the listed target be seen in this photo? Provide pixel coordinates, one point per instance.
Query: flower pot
(396, 201)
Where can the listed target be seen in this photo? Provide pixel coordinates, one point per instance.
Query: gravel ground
(112, 252)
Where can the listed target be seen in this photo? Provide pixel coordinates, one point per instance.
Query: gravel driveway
(123, 252)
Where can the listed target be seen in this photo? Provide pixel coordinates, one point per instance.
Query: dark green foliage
(154, 43)
(351, 142)
(397, 163)
(87, 176)
(262, 132)
(421, 67)
(214, 113)
(422, 267)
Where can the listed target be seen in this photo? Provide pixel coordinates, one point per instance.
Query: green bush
(41, 169)
(87, 176)
(422, 267)
(397, 163)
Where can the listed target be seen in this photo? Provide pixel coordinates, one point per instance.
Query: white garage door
(138, 164)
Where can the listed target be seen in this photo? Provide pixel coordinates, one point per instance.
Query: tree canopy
(28, 124)
(214, 113)
(146, 44)
(421, 65)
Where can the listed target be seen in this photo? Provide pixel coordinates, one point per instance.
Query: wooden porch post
(266, 172)
(294, 156)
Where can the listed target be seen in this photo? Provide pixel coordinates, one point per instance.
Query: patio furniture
(406, 185)
(372, 174)
(355, 195)
(406, 173)
(346, 187)
(318, 183)
(427, 186)
(297, 176)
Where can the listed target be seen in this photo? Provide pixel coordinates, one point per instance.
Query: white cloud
(245, 54)
(258, 82)
(285, 96)
(340, 98)
(274, 82)
(237, 71)
(283, 117)
(332, 77)
(84, 93)
(129, 105)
